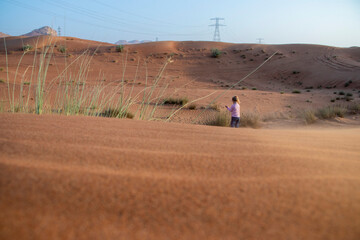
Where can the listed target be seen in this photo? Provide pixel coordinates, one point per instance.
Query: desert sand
(93, 178)
(77, 177)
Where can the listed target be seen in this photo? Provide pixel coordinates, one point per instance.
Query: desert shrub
(341, 93)
(119, 48)
(250, 120)
(2, 80)
(332, 100)
(309, 116)
(215, 53)
(192, 106)
(62, 49)
(254, 88)
(354, 108)
(116, 113)
(331, 112)
(1, 69)
(176, 101)
(221, 119)
(296, 91)
(27, 47)
(282, 92)
(349, 94)
(214, 106)
(348, 83)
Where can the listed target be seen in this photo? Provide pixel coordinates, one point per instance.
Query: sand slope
(92, 178)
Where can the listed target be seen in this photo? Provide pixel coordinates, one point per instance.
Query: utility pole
(217, 29)
(59, 31)
(259, 40)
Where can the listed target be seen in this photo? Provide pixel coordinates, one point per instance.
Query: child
(235, 112)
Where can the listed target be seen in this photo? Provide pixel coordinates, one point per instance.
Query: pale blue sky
(326, 22)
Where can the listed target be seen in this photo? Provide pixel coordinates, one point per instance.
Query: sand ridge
(93, 178)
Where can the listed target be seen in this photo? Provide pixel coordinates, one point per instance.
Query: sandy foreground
(95, 178)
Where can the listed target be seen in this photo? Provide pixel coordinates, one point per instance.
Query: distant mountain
(124, 42)
(41, 31)
(4, 35)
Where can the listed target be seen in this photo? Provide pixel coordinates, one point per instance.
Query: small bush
(296, 91)
(27, 47)
(62, 49)
(250, 120)
(221, 119)
(26, 83)
(348, 83)
(354, 108)
(215, 53)
(119, 48)
(309, 116)
(115, 113)
(349, 94)
(282, 92)
(331, 112)
(192, 106)
(214, 106)
(254, 88)
(1, 69)
(341, 93)
(176, 101)
(2, 80)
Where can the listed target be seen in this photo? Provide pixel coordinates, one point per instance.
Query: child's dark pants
(235, 122)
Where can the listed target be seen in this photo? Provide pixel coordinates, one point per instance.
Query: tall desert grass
(72, 94)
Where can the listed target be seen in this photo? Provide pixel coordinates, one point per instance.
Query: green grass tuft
(215, 53)
(119, 48)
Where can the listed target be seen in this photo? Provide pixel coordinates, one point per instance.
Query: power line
(217, 29)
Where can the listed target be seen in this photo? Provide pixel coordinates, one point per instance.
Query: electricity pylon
(259, 40)
(217, 29)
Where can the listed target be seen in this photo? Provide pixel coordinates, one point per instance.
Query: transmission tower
(217, 29)
(59, 31)
(259, 40)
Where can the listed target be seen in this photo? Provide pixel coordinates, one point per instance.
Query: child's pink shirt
(235, 110)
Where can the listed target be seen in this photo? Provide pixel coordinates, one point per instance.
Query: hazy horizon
(332, 22)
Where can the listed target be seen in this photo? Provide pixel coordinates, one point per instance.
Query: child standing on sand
(235, 112)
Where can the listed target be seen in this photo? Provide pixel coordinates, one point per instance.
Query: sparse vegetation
(296, 91)
(309, 116)
(119, 48)
(116, 113)
(221, 119)
(250, 120)
(341, 93)
(214, 106)
(2, 80)
(254, 88)
(27, 48)
(62, 49)
(176, 101)
(1, 69)
(354, 108)
(282, 92)
(215, 53)
(331, 112)
(192, 106)
(348, 83)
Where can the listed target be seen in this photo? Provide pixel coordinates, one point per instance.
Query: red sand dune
(194, 73)
(94, 178)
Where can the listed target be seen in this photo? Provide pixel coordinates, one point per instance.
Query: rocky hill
(41, 31)
(4, 35)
